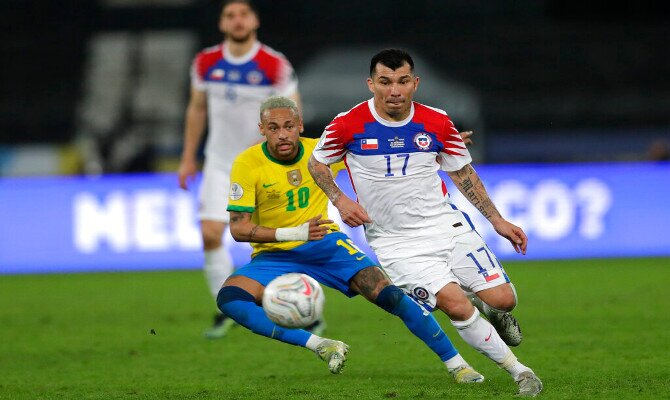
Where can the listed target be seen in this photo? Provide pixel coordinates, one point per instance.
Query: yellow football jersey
(279, 194)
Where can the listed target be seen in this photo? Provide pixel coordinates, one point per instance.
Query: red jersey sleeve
(454, 154)
(333, 143)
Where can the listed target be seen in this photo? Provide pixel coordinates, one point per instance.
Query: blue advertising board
(142, 222)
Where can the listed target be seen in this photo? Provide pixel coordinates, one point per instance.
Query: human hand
(513, 233)
(466, 136)
(318, 227)
(351, 212)
(186, 173)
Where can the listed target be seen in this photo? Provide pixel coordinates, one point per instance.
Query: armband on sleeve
(295, 234)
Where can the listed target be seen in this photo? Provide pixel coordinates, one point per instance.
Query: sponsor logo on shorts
(420, 293)
(236, 191)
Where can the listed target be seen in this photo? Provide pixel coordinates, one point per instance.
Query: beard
(239, 38)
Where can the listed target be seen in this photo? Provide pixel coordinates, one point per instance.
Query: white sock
(480, 334)
(313, 341)
(455, 362)
(513, 366)
(218, 267)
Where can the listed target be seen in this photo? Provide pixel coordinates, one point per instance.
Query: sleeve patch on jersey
(236, 191)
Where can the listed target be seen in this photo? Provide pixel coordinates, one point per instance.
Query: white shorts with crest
(464, 259)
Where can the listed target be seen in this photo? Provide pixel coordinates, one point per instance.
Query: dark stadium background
(588, 77)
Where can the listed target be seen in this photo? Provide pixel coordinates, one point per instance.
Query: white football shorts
(464, 259)
(213, 194)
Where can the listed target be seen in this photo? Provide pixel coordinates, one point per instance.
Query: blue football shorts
(332, 261)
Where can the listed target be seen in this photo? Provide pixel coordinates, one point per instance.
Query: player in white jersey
(393, 148)
(229, 82)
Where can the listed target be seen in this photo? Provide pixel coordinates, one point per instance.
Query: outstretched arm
(351, 212)
(468, 182)
(243, 230)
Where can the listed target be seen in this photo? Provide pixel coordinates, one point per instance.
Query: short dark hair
(249, 3)
(392, 58)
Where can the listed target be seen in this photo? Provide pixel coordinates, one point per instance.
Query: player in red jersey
(393, 148)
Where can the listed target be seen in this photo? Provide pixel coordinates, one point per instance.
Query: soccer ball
(293, 300)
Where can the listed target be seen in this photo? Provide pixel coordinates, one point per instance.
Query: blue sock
(241, 306)
(425, 327)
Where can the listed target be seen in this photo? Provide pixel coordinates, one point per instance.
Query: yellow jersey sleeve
(337, 167)
(243, 180)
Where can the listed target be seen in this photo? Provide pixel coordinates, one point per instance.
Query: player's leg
(378, 289)
(240, 299)
(213, 217)
(480, 271)
(496, 304)
(335, 261)
(482, 336)
(218, 267)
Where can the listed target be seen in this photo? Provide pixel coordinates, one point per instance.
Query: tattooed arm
(468, 182)
(243, 230)
(351, 212)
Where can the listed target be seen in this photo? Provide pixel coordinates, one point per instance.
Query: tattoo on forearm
(324, 179)
(253, 232)
(473, 189)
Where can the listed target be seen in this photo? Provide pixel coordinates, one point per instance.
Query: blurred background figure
(228, 83)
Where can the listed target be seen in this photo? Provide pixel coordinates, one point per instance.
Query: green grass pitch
(593, 329)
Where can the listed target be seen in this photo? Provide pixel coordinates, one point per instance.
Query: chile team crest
(422, 140)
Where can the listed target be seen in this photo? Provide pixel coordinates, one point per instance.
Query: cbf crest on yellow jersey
(279, 194)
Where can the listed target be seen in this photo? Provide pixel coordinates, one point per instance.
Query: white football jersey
(393, 168)
(236, 87)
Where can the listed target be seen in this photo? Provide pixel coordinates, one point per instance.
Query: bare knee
(369, 282)
(501, 297)
(212, 233)
(452, 301)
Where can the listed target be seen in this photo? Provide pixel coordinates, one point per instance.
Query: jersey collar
(393, 124)
(301, 152)
(230, 58)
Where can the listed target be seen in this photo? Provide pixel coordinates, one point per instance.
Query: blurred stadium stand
(104, 84)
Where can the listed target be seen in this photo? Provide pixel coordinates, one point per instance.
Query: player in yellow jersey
(275, 205)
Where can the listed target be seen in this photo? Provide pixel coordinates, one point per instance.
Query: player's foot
(505, 324)
(466, 374)
(507, 327)
(334, 353)
(317, 328)
(220, 328)
(529, 384)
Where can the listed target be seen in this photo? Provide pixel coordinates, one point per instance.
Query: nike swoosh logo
(267, 185)
(489, 338)
(308, 288)
(360, 258)
(437, 333)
